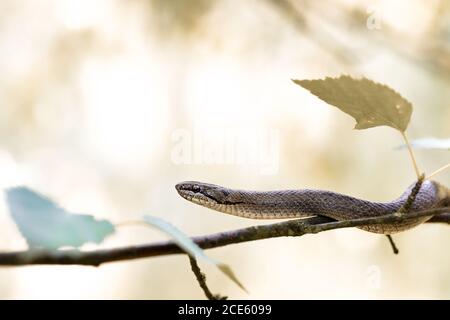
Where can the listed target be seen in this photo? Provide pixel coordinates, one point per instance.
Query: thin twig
(391, 241)
(297, 227)
(447, 166)
(412, 196)
(406, 207)
(201, 278)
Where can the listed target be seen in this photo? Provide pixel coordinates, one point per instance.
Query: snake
(303, 203)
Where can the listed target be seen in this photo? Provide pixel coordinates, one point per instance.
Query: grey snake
(285, 204)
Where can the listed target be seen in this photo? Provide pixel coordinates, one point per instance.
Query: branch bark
(289, 228)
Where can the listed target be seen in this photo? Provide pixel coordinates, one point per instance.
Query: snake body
(300, 203)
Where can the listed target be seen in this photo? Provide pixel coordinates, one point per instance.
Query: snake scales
(300, 203)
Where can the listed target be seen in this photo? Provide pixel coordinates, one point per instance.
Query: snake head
(201, 193)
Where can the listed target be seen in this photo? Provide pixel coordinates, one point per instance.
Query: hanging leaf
(370, 103)
(429, 143)
(45, 225)
(190, 247)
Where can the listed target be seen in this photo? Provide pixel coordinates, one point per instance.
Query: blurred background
(106, 105)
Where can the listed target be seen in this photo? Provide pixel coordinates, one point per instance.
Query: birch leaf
(371, 104)
(46, 225)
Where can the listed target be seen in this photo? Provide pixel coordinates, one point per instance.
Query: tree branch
(201, 279)
(441, 218)
(297, 228)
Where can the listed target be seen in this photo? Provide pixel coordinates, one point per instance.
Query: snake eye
(195, 188)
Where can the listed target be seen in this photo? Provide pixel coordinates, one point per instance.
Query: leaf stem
(439, 170)
(411, 154)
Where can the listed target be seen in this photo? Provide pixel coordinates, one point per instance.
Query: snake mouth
(195, 192)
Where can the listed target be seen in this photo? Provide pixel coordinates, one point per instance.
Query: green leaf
(189, 246)
(370, 103)
(429, 143)
(45, 225)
